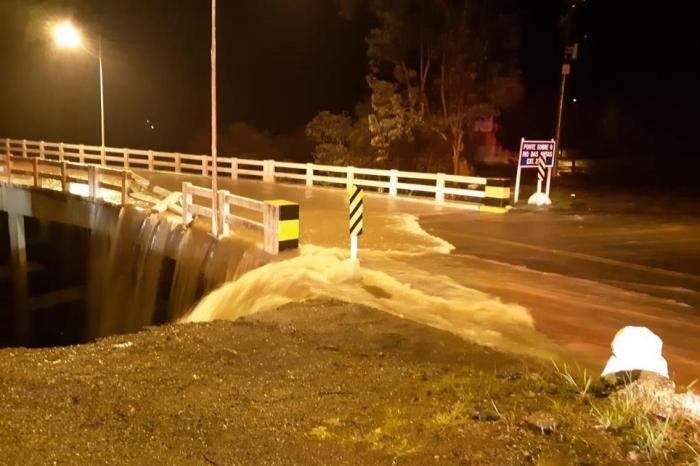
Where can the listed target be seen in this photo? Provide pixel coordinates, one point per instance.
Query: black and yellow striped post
(496, 195)
(281, 226)
(356, 196)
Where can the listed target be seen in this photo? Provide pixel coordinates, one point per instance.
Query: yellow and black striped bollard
(281, 226)
(356, 196)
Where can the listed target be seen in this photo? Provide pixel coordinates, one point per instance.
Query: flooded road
(520, 281)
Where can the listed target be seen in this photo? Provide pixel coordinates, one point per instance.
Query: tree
(392, 117)
(331, 135)
(433, 67)
(390, 120)
(339, 139)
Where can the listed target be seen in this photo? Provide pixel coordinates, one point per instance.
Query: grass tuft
(496, 410)
(694, 452)
(454, 416)
(651, 436)
(621, 412)
(581, 384)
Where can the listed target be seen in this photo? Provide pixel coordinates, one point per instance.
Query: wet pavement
(582, 271)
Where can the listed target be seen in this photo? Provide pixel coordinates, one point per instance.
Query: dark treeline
(420, 84)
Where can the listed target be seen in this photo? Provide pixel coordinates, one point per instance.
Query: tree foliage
(442, 59)
(390, 119)
(339, 139)
(434, 71)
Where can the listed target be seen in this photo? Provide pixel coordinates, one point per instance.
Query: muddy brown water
(129, 270)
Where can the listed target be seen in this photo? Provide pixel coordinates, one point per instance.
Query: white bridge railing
(38, 172)
(491, 192)
(278, 220)
(272, 223)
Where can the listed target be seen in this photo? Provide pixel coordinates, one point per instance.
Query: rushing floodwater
(129, 270)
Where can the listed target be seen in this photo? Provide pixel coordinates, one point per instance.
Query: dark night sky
(282, 61)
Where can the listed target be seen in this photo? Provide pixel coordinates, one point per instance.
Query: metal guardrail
(486, 193)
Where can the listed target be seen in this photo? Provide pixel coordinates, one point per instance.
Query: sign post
(356, 208)
(539, 155)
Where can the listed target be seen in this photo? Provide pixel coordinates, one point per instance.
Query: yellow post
(496, 195)
(281, 226)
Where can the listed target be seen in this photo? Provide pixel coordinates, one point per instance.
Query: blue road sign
(530, 152)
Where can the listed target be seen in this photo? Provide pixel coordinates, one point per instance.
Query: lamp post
(68, 36)
(214, 190)
(102, 95)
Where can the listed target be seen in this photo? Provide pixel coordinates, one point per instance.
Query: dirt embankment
(317, 383)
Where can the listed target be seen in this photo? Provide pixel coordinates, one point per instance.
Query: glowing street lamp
(65, 35)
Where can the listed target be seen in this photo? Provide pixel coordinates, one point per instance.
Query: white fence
(437, 186)
(270, 214)
(38, 172)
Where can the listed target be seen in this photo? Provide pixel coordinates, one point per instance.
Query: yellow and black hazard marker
(281, 226)
(496, 195)
(356, 210)
(356, 196)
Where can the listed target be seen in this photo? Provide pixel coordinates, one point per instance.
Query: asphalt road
(582, 270)
(583, 275)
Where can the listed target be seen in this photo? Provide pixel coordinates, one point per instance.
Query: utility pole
(102, 94)
(570, 54)
(565, 70)
(214, 187)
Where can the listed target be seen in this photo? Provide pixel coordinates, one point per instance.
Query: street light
(66, 35)
(214, 127)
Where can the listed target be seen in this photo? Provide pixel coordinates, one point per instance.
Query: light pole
(570, 55)
(214, 190)
(68, 36)
(102, 95)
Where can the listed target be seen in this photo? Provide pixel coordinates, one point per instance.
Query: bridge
(578, 274)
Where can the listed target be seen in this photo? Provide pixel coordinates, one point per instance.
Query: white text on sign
(532, 151)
